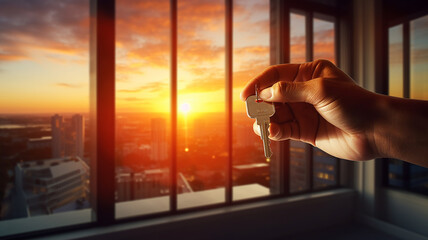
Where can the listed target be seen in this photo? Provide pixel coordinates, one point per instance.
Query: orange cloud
(258, 50)
(67, 85)
(148, 88)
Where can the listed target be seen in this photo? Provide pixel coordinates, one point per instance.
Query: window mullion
(280, 53)
(309, 57)
(406, 59)
(229, 97)
(173, 69)
(102, 77)
(309, 36)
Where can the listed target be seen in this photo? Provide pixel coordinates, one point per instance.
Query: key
(261, 111)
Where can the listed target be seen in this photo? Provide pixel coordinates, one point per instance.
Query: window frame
(391, 22)
(102, 109)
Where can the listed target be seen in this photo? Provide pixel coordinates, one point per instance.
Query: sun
(185, 108)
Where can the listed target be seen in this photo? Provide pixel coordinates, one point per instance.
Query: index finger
(273, 74)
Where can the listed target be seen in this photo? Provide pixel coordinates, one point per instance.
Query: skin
(319, 104)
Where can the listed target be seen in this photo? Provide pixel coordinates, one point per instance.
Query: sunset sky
(44, 53)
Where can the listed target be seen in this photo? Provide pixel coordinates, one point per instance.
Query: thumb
(290, 92)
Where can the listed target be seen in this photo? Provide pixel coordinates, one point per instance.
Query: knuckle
(271, 72)
(320, 87)
(282, 89)
(271, 68)
(323, 63)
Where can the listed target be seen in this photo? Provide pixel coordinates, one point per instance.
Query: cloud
(151, 87)
(324, 36)
(248, 14)
(201, 85)
(419, 55)
(60, 27)
(133, 99)
(257, 50)
(67, 85)
(130, 90)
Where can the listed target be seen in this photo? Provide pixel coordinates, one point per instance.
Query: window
(251, 171)
(408, 78)
(312, 36)
(165, 130)
(142, 171)
(44, 115)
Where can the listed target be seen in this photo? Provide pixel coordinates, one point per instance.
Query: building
(159, 150)
(325, 169)
(57, 136)
(68, 137)
(78, 135)
(45, 186)
(149, 183)
(298, 166)
(251, 173)
(39, 143)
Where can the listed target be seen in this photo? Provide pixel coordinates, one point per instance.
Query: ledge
(259, 220)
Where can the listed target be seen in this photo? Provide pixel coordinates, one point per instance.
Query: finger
(293, 73)
(293, 92)
(273, 74)
(284, 131)
(256, 129)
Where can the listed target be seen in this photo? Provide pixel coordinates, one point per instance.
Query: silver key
(261, 111)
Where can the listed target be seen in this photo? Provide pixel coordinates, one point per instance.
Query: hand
(319, 104)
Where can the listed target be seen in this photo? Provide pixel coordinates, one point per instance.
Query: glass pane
(418, 181)
(396, 61)
(44, 109)
(251, 170)
(202, 157)
(419, 58)
(395, 173)
(299, 174)
(142, 107)
(395, 166)
(299, 178)
(401, 174)
(297, 38)
(324, 40)
(325, 169)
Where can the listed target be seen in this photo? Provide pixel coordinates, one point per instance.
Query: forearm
(402, 130)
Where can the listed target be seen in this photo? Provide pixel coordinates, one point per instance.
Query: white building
(46, 185)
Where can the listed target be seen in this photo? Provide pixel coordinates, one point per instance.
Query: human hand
(319, 104)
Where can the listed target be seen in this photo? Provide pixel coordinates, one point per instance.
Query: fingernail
(266, 94)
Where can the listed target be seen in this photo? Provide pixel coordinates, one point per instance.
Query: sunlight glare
(185, 108)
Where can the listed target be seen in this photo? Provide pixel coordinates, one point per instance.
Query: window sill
(258, 220)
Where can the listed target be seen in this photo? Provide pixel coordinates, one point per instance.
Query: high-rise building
(78, 134)
(325, 169)
(57, 136)
(298, 166)
(68, 137)
(159, 142)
